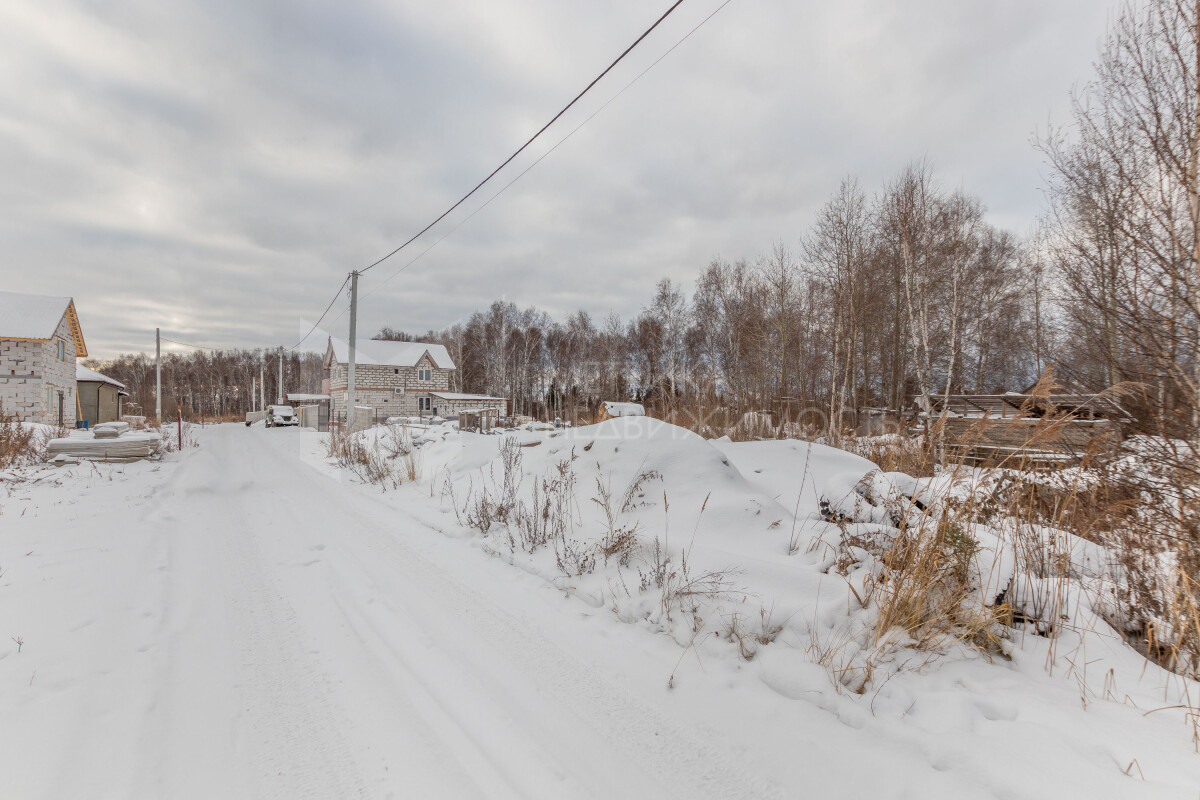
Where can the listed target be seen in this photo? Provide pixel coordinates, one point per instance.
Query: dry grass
(20, 445)
(926, 588)
(751, 634)
(1140, 503)
(371, 462)
(911, 455)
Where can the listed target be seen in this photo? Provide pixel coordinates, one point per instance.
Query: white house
(40, 339)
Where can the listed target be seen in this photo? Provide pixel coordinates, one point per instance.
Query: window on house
(397, 370)
(424, 374)
(424, 403)
(62, 350)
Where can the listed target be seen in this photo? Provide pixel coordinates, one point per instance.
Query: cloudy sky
(216, 167)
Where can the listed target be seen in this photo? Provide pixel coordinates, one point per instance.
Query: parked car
(281, 415)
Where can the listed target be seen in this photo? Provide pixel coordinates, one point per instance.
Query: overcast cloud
(216, 168)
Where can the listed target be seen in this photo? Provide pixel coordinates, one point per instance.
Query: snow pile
(796, 556)
(618, 409)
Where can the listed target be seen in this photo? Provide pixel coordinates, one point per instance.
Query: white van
(281, 415)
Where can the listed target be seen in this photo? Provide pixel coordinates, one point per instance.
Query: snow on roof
(460, 396)
(391, 354)
(300, 397)
(615, 409)
(82, 373)
(30, 316)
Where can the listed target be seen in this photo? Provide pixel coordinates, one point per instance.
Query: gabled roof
(35, 317)
(390, 354)
(82, 373)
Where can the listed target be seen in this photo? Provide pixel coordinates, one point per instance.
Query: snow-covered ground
(246, 620)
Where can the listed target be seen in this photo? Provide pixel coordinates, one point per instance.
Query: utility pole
(262, 385)
(157, 376)
(350, 366)
(281, 398)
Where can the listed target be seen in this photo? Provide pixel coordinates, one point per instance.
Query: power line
(336, 295)
(542, 157)
(193, 346)
(521, 149)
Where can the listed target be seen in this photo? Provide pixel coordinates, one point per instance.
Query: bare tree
(1126, 191)
(836, 249)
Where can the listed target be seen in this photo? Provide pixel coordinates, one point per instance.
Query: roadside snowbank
(778, 553)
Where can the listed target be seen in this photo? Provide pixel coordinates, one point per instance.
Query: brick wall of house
(375, 376)
(60, 374)
(392, 390)
(32, 374)
(21, 392)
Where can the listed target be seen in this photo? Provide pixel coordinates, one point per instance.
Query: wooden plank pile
(1029, 440)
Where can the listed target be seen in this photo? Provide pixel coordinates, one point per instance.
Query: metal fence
(364, 417)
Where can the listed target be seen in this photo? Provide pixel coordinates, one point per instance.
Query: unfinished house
(40, 339)
(398, 379)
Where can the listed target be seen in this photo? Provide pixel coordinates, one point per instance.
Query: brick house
(398, 379)
(40, 339)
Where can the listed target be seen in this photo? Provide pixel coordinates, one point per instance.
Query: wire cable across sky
(336, 295)
(543, 156)
(530, 141)
(185, 344)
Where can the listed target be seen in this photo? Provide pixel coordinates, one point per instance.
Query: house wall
(59, 375)
(21, 391)
(393, 391)
(31, 375)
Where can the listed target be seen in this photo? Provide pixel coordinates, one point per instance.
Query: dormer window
(424, 374)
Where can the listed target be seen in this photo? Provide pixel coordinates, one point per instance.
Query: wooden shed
(100, 397)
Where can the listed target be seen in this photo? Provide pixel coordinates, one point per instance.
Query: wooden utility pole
(280, 398)
(350, 365)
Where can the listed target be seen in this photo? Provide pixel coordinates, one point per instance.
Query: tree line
(888, 299)
(212, 383)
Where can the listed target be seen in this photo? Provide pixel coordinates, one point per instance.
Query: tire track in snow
(288, 734)
(515, 676)
(499, 646)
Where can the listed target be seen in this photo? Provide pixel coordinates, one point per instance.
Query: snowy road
(298, 640)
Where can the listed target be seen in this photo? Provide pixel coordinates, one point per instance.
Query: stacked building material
(118, 446)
